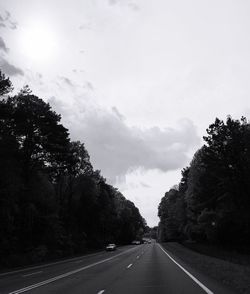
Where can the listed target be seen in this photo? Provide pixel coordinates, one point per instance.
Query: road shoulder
(233, 276)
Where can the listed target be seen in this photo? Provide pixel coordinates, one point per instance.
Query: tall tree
(42, 140)
(5, 85)
(52, 202)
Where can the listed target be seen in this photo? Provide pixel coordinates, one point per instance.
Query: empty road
(141, 269)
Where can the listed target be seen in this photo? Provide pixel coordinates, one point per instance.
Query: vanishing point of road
(140, 269)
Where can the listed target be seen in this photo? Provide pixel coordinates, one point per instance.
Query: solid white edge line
(48, 281)
(129, 265)
(188, 273)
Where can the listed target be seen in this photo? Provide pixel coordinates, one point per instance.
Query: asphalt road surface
(139, 269)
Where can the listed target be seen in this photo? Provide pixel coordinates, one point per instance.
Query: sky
(137, 81)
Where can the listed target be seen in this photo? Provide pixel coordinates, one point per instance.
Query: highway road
(139, 269)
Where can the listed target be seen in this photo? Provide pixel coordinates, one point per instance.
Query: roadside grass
(220, 252)
(232, 269)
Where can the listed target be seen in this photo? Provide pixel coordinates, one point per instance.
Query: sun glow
(38, 42)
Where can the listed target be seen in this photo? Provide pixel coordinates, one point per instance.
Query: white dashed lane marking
(129, 265)
(100, 292)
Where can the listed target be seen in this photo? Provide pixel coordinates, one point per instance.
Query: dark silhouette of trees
(5, 85)
(52, 202)
(212, 201)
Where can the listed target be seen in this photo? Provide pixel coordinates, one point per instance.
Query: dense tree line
(150, 233)
(52, 202)
(212, 202)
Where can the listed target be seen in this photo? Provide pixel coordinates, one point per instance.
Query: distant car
(136, 242)
(110, 247)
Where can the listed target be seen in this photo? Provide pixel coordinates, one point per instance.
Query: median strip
(188, 273)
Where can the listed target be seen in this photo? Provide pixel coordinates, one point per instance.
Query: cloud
(133, 6)
(10, 69)
(67, 81)
(6, 21)
(129, 4)
(117, 148)
(112, 2)
(88, 86)
(3, 46)
(145, 185)
(85, 26)
(116, 111)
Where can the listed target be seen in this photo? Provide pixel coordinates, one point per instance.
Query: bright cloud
(118, 149)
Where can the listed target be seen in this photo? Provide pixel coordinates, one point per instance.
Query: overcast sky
(138, 81)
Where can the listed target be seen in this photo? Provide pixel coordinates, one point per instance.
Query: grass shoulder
(230, 268)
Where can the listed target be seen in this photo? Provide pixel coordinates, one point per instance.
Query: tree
(199, 196)
(52, 202)
(79, 160)
(170, 212)
(218, 190)
(5, 85)
(227, 156)
(30, 133)
(42, 140)
(212, 201)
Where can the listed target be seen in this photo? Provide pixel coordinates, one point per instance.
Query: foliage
(214, 190)
(52, 202)
(5, 85)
